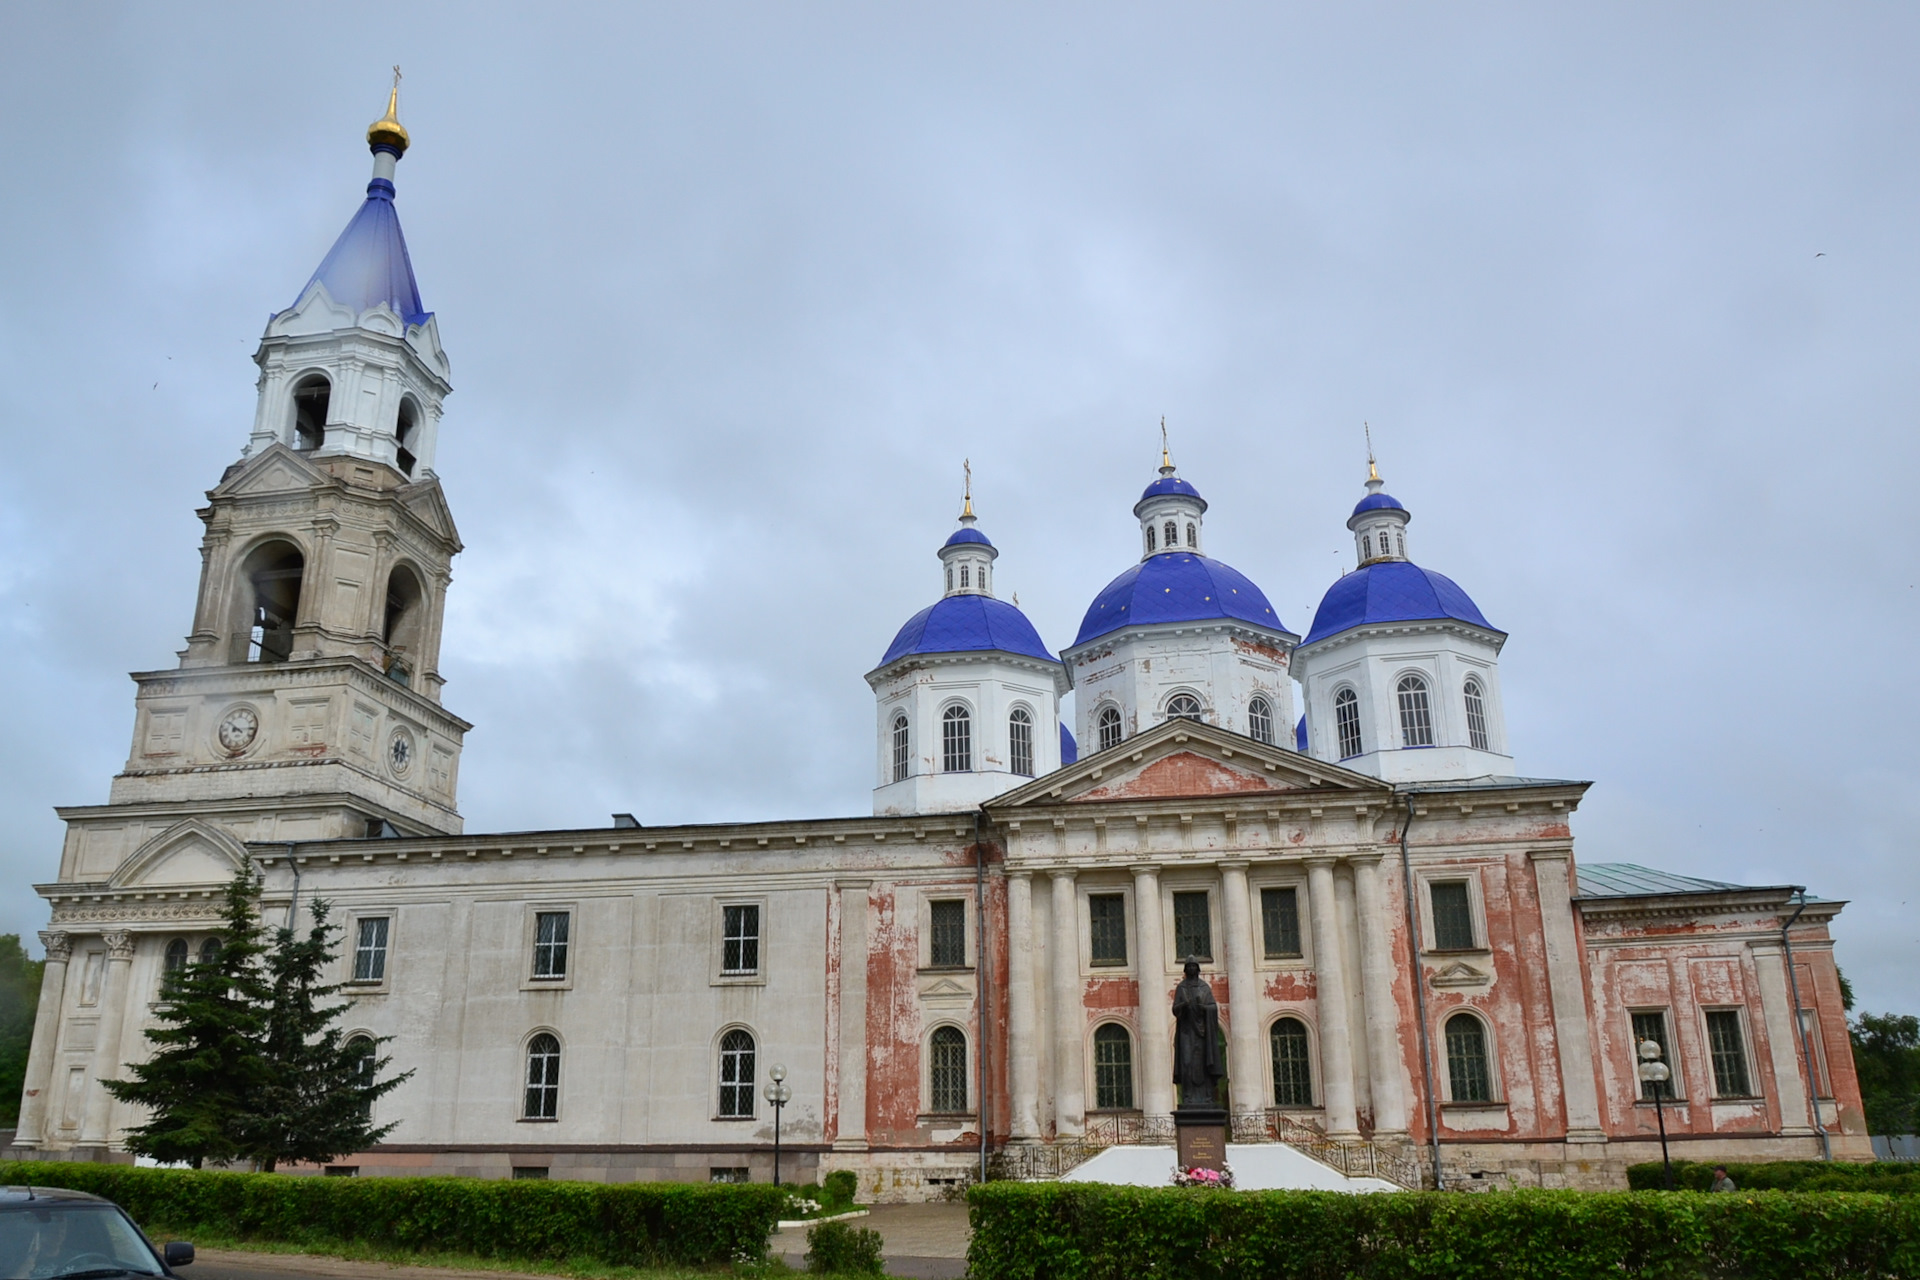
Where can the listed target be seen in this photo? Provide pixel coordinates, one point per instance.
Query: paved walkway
(922, 1241)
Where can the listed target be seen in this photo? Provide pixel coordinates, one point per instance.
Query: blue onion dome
(967, 624)
(1377, 502)
(967, 535)
(1069, 749)
(1300, 736)
(1177, 587)
(1393, 591)
(1168, 486)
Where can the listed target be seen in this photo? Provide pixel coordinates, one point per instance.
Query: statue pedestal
(1202, 1137)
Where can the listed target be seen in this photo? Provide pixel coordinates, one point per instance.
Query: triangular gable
(1185, 758)
(190, 852)
(428, 503)
(275, 469)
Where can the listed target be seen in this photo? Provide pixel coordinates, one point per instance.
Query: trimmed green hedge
(632, 1223)
(1887, 1177)
(1084, 1231)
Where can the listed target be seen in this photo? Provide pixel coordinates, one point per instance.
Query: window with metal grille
(1192, 927)
(1476, 716)
(1107, 928)
(948, 945)
(1280, 922)
(210, 951)
(1416, 722)
(1346, 718)
(1183, 706)
(736, 1075)
(1020, 741)
(1452, 915)
(902, 761)
(1652, 1025)
(1292, 1064)
(1729, 1050)
(1468, 1072)
(948, 1070)
(550, 944)
(176, 959)
(370, 950)
(543, 1078)
(1260, 720)
(956, 740)
(1109, 728)
(740, 938)
(1171, 532)
(1112, 1068)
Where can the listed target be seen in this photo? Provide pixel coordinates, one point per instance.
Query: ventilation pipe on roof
(1420, 998)
(1806, 1049)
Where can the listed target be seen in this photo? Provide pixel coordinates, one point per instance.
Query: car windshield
(48, 1240)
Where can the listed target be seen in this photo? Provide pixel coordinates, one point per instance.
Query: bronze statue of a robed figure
(1196, 1046)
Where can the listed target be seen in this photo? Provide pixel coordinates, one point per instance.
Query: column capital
(1062, 873)
(59, 945)
(1549, 855)
(1145, 869)
(1019, 873)
(845, 885)
(119, 944)
(1319, 861)
(1365, 857)
(1234, 864)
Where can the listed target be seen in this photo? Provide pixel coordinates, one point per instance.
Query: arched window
(310, 400)
(956, 741)
(176, 961)
(949, 577)
(1020, 741)
(736, 1075)
(1112, 1068)
(403, 623)
(1109, 728)
(1416, 724)
(1366, 546)
(269, 602)
(947, 1070)
(902, 763)
(1468, 1072)
(964, 582)
(1260, 720)
(1183, 706)
(1346, 719)
(543, 1078)
(406, 433)
(367, 1061)
(1150, 538)
(210, 951)
(1193, 534)
(1292, 1064)
(1400, 540)
(1476, 715)
(1171, 532)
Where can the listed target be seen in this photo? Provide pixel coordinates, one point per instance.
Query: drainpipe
(1806, 1049)
(293, 907)
(1420, 997)
(984, 968)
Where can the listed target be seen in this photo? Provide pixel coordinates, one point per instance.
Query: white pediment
(193, 853)
(275, 469)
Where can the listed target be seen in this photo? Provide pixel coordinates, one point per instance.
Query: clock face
(238, 729)
(400, 752)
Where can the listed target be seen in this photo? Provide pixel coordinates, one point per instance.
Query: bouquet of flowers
(1215, 1180)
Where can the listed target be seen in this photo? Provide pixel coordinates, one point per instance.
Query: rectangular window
(1107, 928)
(1729, 1050)
(1452, 916)
(728, 1173)
(1652, 1025)
(525, 1172)
(740, 939)
(550, 944)
(1192, 927)
(1280, 922)
(370, 950)
(948, 946)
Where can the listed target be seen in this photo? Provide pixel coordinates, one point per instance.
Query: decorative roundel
(400, 752)
(237, 729)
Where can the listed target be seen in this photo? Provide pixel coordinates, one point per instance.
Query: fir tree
(318, 1103)
(207, 1073)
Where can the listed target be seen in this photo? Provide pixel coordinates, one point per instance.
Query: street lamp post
(779, 1095)
(1654, 1074)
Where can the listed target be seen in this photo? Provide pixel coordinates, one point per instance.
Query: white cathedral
(1412, 970)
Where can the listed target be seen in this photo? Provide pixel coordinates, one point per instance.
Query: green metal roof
(1627, 880)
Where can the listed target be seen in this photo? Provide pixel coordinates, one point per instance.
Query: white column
(1156, 1005)
(1553, 877)
(1069, 1010)
(852, 1135)
(46, 1029)
(106, 1049)
(1387, 1074)
(1336, 1045)
(1023, 1061)
(1783, 1046)
(1248, 1087)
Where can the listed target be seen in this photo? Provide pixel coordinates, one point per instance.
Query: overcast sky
(1628, 295)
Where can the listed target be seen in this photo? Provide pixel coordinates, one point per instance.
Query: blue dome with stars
(1393, 591)
(967, 624)
(1377, 502)
(1169, 486)
(967, 535)
(1177, 586)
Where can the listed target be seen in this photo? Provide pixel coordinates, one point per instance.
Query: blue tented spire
(368, 264)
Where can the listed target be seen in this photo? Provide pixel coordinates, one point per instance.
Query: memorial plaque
(1202, 1139)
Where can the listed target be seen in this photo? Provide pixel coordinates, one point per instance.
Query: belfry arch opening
(311, 398)
(402, 627)
(269, 600)
(406, 435)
